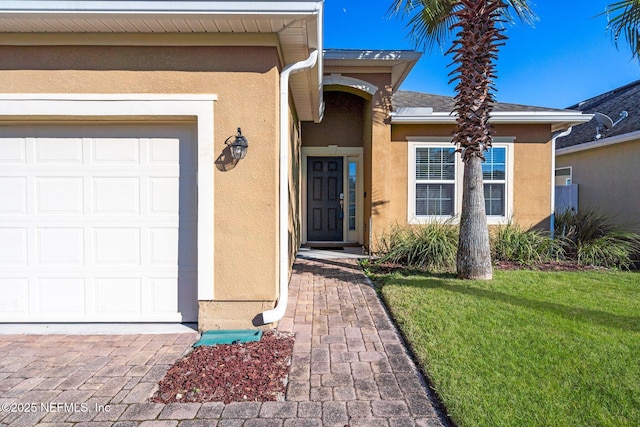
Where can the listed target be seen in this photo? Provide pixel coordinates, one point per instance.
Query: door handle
(341, 214)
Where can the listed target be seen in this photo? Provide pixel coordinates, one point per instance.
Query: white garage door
(98, 223)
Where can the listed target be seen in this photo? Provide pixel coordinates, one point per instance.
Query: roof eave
(398, 63)
(599, 143)
(559, 120)
(297, 24)
(16, 7)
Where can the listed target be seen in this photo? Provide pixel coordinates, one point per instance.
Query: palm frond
(523, 10)
(624, 22)
(432, 22)
(429, 21)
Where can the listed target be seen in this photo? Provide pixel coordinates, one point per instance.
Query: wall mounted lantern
(239, 146)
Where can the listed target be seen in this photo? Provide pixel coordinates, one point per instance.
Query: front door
(325, 199)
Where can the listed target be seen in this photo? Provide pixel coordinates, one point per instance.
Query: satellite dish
(604, 121)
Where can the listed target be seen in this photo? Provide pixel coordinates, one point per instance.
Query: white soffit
(298, 25)
(398, 62)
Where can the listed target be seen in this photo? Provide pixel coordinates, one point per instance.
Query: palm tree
(479, 35)
(624, 20)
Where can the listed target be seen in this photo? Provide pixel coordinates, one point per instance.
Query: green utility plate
(228, 337)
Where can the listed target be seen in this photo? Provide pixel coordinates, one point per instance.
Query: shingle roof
(624, 98)
(439, 103)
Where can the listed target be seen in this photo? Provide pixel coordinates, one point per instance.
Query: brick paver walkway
(349, 367)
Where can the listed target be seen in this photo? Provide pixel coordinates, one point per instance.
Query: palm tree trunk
(474, 253)
(474, 51)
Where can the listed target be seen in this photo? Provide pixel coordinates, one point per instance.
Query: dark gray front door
(324, 196)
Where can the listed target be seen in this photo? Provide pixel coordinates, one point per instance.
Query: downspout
(552, 217)
(278, 311)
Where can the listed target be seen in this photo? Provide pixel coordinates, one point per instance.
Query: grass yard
(527, 348)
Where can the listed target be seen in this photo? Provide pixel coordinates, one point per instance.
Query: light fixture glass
(239, 146)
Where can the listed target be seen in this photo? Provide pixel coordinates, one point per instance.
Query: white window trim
(569, 177)
(413, 218)
(436, 142)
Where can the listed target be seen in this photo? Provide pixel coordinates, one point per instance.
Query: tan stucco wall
(532, 176)
(342, 124)
(380, 159)
(607, 179)
(245, 81)
(532, 173)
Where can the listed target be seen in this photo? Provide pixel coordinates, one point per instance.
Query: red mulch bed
(253, 371)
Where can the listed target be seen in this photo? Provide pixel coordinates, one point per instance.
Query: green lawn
(527, 348)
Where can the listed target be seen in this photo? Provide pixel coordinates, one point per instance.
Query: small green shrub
(431, 246)
(513, 243)
(590, 238)
(586, 237)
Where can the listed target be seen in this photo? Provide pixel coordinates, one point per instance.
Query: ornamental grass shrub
(513, 243)
(432, 246)
(590, 238)
(586, 237)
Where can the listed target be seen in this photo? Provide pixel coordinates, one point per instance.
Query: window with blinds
(494, 175)
(435, 181)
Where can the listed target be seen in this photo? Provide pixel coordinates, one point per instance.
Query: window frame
(443, 142)
(568, 179)
(433, 181)
(498, 181)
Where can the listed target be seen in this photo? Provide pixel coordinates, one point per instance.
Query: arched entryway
(333, 166)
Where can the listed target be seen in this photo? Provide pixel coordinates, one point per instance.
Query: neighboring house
(121, 201)
(603, 161)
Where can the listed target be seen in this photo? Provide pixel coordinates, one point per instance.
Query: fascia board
(618, 139)
(540, 117)
(525, 117)
(160, 7)
(374, 56)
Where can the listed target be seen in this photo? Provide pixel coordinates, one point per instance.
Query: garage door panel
(116, 246)
(118, 295)
(168, 151)
(59, 195)
(14, 196)
(168, 288)
(13, 151)
(15, 297)
(164, 246)
(13, 250)
(60, 246)
(98, 223)
(116, 151)
(58, 151)
(116, 195)
(165, 196)
(61, 296)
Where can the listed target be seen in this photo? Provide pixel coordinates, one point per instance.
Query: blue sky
(566, 58)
